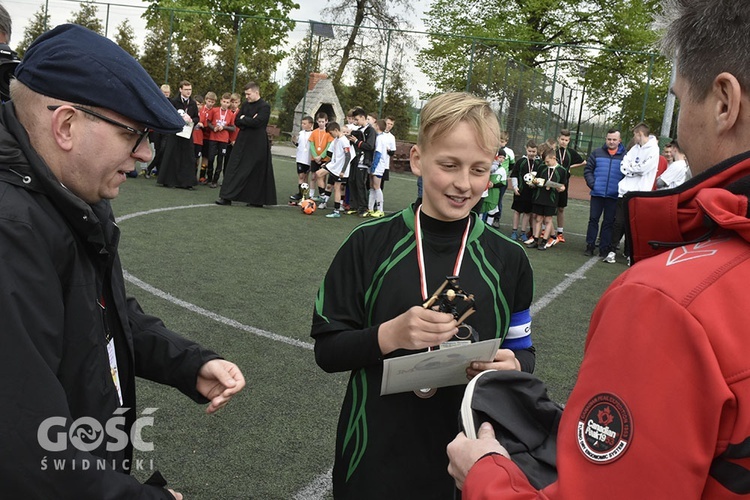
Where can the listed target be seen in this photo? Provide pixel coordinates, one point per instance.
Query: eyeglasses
(142, 134)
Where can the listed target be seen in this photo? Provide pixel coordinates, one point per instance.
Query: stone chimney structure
(321, 96)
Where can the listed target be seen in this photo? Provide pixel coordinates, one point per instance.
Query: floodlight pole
(471, 65)
(307, 73)
(583, 98)
(385, 72)
(169, 45)
(666, 123)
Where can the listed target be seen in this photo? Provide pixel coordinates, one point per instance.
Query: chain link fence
(531, 102)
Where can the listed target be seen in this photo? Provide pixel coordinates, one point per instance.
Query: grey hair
(705, 38)
(5, 23)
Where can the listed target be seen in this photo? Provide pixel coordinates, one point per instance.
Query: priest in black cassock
(248, 177)
(178, 164)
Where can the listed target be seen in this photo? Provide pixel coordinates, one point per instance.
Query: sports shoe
(317, 199)
(364, 214)
(542, 246)
(295, 197)
(560, 238)
(377, 214)
(610, 258)
(351, 212)
(496, 223)
(589, 252)
(531, 242)
(322, 206)
(202, 181)
(334, 215)
(514, 236)
(551, 242)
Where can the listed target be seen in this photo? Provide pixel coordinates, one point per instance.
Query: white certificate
(187, 131)
(433, 369)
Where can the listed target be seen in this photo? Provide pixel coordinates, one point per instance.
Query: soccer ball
(308, 207)
(529, 177)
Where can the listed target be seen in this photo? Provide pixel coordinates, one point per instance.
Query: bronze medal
(425, 393)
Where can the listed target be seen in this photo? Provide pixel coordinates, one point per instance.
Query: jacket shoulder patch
(605, 429)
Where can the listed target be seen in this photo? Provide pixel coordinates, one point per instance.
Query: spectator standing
(319, 142)
(544, 199)
(602, 174)
(363, 140)
(207, 164)
(178, 165)
(639, 166)
(522, 193)
(303, 156)
(337, 169)
(249, 174)
(567, 158)
(390, 145)
(677, 172)
(221, 123)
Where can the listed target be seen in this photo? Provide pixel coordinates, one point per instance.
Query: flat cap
(74, 64)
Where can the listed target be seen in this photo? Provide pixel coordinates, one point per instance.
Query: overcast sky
(22, 12)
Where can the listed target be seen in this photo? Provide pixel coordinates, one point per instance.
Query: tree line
(605, 46)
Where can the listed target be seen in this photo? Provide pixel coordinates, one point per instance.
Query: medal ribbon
(420, 252)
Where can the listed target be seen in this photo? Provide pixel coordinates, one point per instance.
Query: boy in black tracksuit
(364, 142)
(369, 307)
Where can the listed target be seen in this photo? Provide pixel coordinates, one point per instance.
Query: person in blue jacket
(602, 174)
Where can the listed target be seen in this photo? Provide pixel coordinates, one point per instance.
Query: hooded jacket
(661, 406)
(639, 167)
(62, 295)
(602, 171)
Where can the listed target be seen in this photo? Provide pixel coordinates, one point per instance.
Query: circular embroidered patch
(605, 429)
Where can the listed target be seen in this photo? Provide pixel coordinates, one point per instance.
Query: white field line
(158, 210)
(321, 485)
(197, 309)
(317, 489)
(578, 274)
(212, 315)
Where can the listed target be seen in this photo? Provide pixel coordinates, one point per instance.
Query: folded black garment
(525, 419)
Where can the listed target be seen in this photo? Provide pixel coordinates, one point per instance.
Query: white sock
(559, 230)
(371, 200)
(379, 199)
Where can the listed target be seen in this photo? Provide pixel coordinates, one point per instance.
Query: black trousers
(357, 188)
(619, 228)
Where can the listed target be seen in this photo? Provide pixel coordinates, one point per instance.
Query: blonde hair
(443, 113)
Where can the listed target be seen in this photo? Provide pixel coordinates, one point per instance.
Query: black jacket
(61, 291)
(365, 144)
(191, 108)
